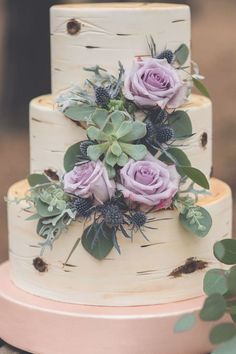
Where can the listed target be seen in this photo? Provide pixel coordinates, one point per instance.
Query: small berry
(166, 54)
(157, 115)
(83, 207)
(162, 116)
(151, 130)
(84, 146)
(102, 96)
(112, 215)
(164, 134)
(139, 219)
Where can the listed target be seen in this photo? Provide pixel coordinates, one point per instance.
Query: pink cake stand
(42, 326)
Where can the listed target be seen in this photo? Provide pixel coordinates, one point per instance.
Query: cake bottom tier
(169, 267)
(97, 330)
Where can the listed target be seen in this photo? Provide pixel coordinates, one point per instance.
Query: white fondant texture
(51, 134)
(140, 275)
(110, 33)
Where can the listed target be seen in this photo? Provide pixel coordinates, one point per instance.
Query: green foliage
(181, 123)
(114, 134)
(50, 228)
(97, 240)
(232, 281)
(183, 165)
(227, 348)
(222, 333)
(185, 323)
(152, 46)
(176, 156)
(72, 156)
(181, 54)
(225, 251)
(214, 308)
(200, 86)
(193, 218)
(195, 175)
(37, 179)
(215, 281)
(79, 112)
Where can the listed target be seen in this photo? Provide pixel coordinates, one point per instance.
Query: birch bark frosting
(120, 208)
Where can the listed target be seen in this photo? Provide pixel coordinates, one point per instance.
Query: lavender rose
(89, 179)
(153, 82)
(149, 182)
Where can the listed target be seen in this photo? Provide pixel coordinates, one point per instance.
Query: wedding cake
(120, 208)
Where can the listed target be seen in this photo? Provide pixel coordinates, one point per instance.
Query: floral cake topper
(128, 168)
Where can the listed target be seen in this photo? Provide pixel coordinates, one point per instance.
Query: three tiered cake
(121, 206)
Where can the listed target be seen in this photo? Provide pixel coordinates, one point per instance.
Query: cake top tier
(85, 35)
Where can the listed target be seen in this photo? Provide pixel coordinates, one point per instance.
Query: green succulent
(114, 133)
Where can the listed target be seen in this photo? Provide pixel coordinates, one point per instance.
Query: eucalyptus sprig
(220, 288)
(194, 219)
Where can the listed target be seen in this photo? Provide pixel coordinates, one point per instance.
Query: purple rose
(89, 180)
(149, 182)
(153, 82)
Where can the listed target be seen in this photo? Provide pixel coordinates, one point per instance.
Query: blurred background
(25, 73)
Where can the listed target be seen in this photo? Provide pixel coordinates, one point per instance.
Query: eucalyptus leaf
(185, 323)
(226, 348)
(42, 210)
(37, 179)
(195, 175)
(232, 281)
(33, 217)
(225, 251)
(79, 113)
(137, 152)
(222, 333)
(138, 131)
(97, 240)
(95, 151)
(214, 308)
(175, 155)
(72, 157)
(199, 223)
(181, 123)
(215, 281)
(201, 87)
(181, 54)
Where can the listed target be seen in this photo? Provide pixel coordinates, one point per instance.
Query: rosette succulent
(115, 135)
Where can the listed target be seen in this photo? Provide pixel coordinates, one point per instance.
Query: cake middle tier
(51, 134)
(167, 267)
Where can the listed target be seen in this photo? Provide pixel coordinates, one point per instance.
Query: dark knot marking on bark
(212, 171)
(204, 139)
(123, 34)
(191, 265)
(40, 265)
(73, 26)
(52, 174)
(91, 47)
(177, 21)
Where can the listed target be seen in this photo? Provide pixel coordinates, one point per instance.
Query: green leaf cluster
(183, 165)
(194, 219)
